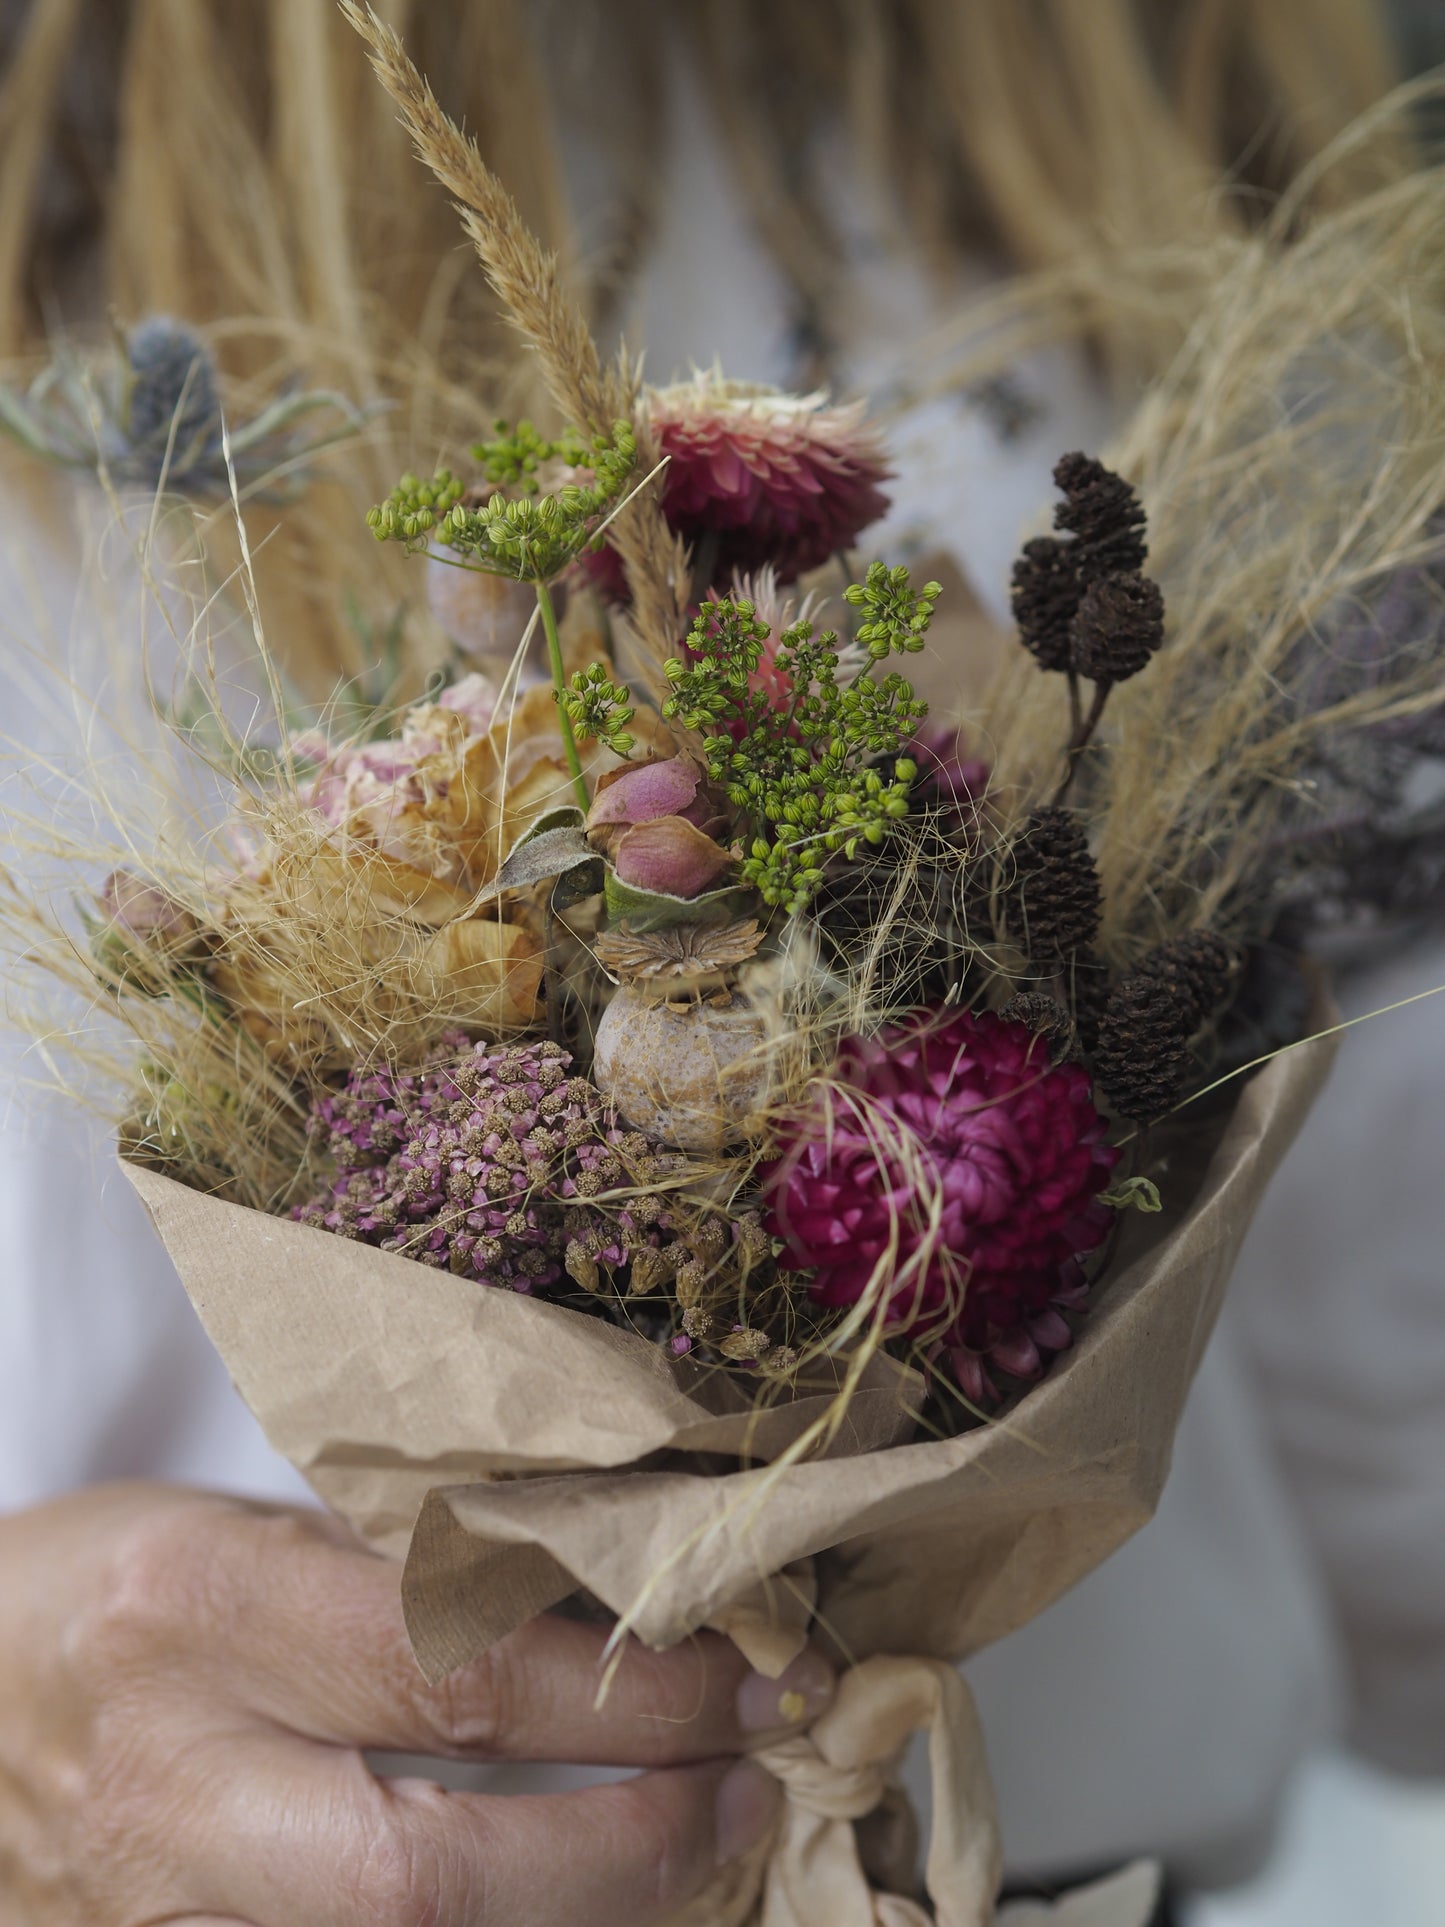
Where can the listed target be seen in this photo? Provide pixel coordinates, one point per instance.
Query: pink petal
(671, 855)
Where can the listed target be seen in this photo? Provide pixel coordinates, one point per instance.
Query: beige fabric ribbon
(842, 1770)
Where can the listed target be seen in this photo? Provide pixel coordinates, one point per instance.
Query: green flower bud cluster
(726, 647)
(598, 709)
(413, 508)
(530, 537)
(809, 773)
(898, 615)
(513, 456)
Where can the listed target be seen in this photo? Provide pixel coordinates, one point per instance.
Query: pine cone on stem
(1046, 1017)
(1142, 1057)
(1103, 514)
(1045, 596)
(1198, 967)
(1116, 628)
(1056, 886)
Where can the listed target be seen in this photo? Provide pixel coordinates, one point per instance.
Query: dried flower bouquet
(762, 1114)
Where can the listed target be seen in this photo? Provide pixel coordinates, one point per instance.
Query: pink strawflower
(781, 612)
(956, 1136)
(758, 478)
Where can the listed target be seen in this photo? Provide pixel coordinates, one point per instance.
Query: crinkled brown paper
(517, 1447)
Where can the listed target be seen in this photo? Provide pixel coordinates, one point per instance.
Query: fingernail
(747, 1805)
(797, 1695)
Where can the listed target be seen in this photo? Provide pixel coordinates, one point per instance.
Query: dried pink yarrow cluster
(1007, 1146)
(482, 1162)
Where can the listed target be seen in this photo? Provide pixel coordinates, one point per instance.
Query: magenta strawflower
(758, 478)
(952, 1160)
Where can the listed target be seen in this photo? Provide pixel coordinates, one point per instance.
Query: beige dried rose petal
(328, 882)
(483, 973)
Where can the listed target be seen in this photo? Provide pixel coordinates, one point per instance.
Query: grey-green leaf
(553, 845)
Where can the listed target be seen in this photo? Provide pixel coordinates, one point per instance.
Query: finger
(325, 1653)
(306, 1838)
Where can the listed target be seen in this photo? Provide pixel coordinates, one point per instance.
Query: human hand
(189, 1682)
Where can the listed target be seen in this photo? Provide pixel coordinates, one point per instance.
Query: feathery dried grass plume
(528, 282)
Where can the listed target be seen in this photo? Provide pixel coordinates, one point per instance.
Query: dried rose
(657, 824)
(642, 792)
(671, 856)
(146, 913)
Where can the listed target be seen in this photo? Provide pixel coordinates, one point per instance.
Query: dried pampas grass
(1292, 463)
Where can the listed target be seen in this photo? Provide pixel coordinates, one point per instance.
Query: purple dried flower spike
(482, 1163)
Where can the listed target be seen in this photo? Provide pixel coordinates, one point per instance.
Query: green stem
(559, 683)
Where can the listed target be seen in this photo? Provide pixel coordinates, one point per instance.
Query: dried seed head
(581, 1266)
(1056, 886)
(745, 1344)
(1045, 596)
(691, 1283)
(1103, 514)
(754, 1245)
(1117, 627)
(781, 1359)
(696, 1322)
(685, 950)
(710, 1240)
(649, 1270)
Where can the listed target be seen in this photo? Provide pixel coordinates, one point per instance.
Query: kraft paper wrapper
(935, 1548)
(536, 1451)
(380, 1378)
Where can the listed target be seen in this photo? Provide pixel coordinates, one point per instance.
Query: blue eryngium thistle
(150, 417)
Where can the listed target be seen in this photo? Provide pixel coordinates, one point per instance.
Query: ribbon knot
(840, 1770)
(819, 1787)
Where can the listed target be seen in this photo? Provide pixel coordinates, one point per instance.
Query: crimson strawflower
(757, 478)
(952, 1167)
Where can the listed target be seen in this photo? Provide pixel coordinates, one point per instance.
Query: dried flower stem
(559, 683)
(1083, 732)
